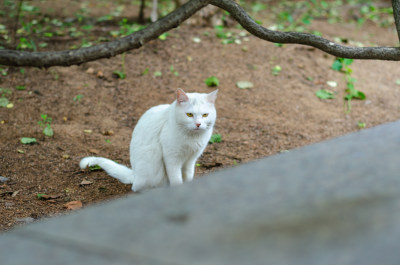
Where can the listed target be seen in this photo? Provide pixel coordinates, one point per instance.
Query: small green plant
(25, 44)
(28, 140)
(121, 74)
(228, 37)
(145, 71)
(212, 81)
(4, 102)
(3, 71)
(157, 73)
(94, 168)
(45, 123)
(343, 65)
(276, 70)
(215, 138)
(40, 195)
(361, 125)
(172, 69)
(163, 36)
(77, 98)
(126, 28)
(325, 94)
(257, 7)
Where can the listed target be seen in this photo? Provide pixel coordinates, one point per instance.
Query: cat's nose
(198, 125)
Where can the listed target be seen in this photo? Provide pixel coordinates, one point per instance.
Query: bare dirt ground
(279, 113)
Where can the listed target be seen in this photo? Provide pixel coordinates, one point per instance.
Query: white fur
(165, 143)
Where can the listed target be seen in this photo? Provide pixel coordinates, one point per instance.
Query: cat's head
(195, 111)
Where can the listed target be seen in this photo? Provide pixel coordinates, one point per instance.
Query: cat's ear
(212, 96)
(181, 96)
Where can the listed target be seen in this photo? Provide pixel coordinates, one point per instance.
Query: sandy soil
(279, 113)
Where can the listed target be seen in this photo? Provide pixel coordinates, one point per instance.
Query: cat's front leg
(188, 169)
(174, 171)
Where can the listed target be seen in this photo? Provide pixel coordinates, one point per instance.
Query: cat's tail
(118, 171)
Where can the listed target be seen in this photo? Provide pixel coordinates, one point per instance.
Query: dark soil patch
(280, 112)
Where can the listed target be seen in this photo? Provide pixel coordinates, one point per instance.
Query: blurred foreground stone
(336, 202)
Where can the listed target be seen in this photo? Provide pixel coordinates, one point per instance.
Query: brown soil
(280, 112)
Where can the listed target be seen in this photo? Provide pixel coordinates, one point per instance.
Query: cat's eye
(190, 115)
(205, 115)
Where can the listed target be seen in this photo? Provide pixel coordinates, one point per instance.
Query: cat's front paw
(87, 162)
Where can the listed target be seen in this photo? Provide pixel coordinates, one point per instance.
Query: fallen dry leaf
(73, 205)
(108, 132)
(94, 151)
(90, 70)
(85, 182)
(100, 74)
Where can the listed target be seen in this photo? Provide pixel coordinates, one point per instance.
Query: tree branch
(105, 50)
(174, 19)
(378, 53)
(396, 14)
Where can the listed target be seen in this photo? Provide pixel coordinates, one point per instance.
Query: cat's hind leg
(149, 171)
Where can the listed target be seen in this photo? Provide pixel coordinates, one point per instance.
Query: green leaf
(163, 36)
(40, 195)
(337, 65)
(27, 140)
(307, 20)
(227, 41)
(361, 125)
(119, 74)
(77, 97)
(360, 95)
(20, 87)
(347, 62)
(94, 168)
(276, 70)
(157, 73)
(354, 94)
(216, 138)
(4, 102)
(212, 81)
(257, 7)
(325, 94)
(48, 131)
(146, 71)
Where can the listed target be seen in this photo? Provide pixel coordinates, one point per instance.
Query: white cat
(166, 142)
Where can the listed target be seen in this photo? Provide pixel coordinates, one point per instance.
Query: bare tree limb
(174, 19)
(396, 15)
(105, 50)
(237, 12)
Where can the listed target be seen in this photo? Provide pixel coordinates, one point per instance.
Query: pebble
(9, 204)
(3, 179)
(26, 220)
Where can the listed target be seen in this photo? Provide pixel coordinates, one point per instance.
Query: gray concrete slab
(336, 202)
